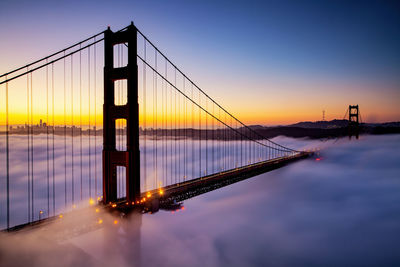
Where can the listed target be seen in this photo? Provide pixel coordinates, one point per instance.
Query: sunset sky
(268, 62)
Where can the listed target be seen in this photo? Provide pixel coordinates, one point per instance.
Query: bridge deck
(170, 195)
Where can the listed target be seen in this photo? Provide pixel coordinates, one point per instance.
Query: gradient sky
(268, 62)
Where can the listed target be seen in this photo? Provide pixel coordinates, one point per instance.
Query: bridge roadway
(169, 197)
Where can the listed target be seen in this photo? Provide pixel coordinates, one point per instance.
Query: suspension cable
(244, 125)
(201, 108)
(51, 62)
(52, 55)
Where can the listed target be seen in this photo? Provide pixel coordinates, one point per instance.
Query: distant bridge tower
(130, 159)
(353, 121)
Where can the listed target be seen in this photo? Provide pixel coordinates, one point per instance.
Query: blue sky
(344, 51)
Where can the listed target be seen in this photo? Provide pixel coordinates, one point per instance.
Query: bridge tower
(130, 159)
(353, 121)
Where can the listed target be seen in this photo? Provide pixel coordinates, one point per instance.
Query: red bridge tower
(112, 158)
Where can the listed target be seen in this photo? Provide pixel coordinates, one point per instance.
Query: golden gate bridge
(124, 127)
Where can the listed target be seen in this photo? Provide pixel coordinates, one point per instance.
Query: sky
(268, 62)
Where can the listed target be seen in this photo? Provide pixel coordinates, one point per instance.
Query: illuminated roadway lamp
(148, 194)
(113, 205)
(91, 201)
(161, 192)
(100, 221)
(60, 216)
(115, 221)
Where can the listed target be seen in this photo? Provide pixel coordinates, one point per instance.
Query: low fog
(340, 210)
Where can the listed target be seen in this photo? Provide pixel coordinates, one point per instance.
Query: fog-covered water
(46, 180)
(342, 210)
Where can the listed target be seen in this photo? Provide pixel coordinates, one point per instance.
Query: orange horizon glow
(159, 121)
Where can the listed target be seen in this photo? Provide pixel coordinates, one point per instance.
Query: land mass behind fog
(313, 130)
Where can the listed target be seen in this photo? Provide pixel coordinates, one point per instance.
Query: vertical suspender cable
(29, 145)
(185, 131)
(90, 155)
(213, 140)
(232, 144)
(206, 172)
(54, 169)
(155, 104)
(47, 140)
(219, 141)
(166, 166)
(171, 135)
(7, 161)
(154, 133)
(65, 140)
(72, 133)
(241, 147)
(95, 119)
(166, 127)
(192, 167)
(162, 131)
(179, 133)
(199, 135)
(144, 118)
(32, 194)
(80, 117)
(176, 173)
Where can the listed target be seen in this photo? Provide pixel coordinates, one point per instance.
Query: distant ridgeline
(328, 129)
(315, 130)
